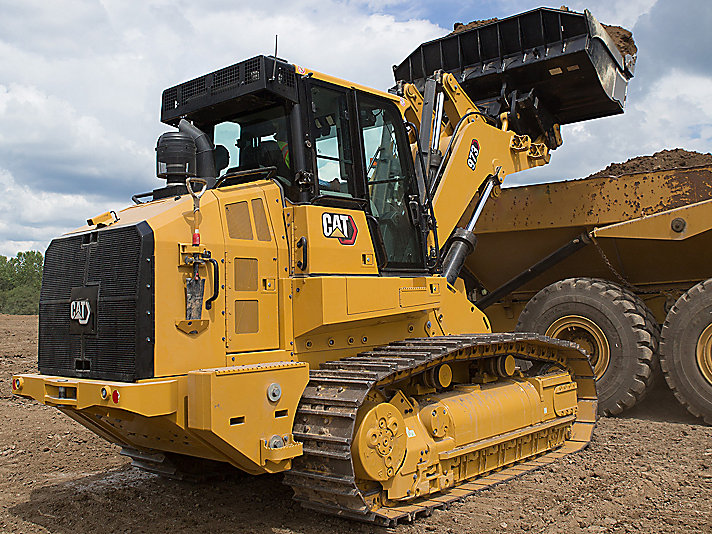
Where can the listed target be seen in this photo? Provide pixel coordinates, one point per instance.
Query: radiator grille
(119, 262)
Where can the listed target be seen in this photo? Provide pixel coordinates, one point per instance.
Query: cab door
(362, 162)
(251, 294)
(390, 182)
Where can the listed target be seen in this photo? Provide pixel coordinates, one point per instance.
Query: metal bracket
(105, 219)
(291, 450)
(192, 327)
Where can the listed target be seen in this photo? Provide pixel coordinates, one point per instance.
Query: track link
(323, 477)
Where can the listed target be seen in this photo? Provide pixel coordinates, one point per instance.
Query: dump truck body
(528, 223)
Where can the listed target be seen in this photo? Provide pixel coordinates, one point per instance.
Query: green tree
(28, 268)
(7, 274)
(22, 300)
(20, 282)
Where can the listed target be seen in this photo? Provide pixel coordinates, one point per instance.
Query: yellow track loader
(291, 300)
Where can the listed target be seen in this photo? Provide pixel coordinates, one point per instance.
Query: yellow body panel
(171, 227)
(251, 270)
(242, 425)
(305, 71)
(82, 394)
(325, 253)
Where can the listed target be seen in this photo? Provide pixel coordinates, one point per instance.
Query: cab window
(255, 140)
(332, 141)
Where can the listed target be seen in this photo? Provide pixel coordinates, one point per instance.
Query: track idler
(380, 444)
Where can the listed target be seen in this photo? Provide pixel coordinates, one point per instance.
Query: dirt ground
(648, 472)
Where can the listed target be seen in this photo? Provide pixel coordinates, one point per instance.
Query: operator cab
(323, 143)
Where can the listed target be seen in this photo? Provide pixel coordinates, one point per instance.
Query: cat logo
(339, 226)
(80, 310)
(473, 154)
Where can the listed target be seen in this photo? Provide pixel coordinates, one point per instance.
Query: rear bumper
(222, 414)
(151, 398)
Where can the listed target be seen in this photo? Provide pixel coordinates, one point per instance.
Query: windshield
(254, 140)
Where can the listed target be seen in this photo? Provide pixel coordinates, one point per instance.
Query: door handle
(302, 244)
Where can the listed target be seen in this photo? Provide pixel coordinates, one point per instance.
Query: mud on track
(648, 472)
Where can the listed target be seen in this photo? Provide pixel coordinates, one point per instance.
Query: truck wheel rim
(587, 335)
(704, 353)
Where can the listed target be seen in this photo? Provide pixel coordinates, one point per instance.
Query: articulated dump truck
(603, 262)
(292, 299)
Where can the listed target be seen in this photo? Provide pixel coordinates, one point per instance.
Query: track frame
(324, 479)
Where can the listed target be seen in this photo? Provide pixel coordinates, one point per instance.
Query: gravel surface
(649, 472)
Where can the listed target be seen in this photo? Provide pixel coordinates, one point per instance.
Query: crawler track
(323, 478)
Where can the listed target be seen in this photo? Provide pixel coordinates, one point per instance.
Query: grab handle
(196, 194)
(216, 283)
(302, 244)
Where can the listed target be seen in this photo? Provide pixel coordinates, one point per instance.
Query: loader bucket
(566, 58)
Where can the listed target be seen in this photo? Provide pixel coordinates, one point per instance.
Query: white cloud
(31, 217)
(624, 14)
(60, 148)
(81, 81)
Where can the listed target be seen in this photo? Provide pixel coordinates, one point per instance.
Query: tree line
(20, 282)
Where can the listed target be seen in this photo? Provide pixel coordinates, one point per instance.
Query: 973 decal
(339, 226)
(473, 154)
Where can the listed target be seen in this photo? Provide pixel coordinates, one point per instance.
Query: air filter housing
(175, 157)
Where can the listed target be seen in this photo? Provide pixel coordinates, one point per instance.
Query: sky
(81, 82)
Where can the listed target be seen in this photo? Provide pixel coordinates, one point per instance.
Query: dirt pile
(459, 27)
(660, 161)
(622, 38)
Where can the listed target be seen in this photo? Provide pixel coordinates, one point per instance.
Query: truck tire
(686, 350)
(611, 324)
(656, 373)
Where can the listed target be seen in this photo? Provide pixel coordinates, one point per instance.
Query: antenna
(274, 67)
